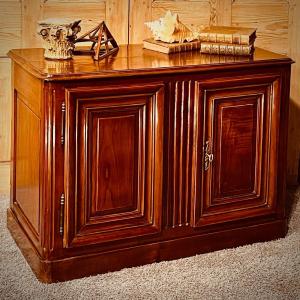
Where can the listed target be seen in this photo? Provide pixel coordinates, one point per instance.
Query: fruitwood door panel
(239, 157)
(113, 163)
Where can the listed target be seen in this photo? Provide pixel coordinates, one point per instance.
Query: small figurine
(103, 43)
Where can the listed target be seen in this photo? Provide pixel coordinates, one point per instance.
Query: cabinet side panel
(26, 151)
(30, 88)
(27, 163)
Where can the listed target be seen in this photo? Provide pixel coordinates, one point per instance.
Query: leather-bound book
(228, 35)
(168, 48)
(226, 49)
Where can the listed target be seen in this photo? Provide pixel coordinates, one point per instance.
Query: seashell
(170, 30)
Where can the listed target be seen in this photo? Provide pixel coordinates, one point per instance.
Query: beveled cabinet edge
(37, 70)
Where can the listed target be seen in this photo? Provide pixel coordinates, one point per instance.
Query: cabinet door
(239, 142)
(113, 163)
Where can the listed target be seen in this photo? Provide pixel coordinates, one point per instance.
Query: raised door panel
(113, 163)
(237, 166)
(237, 136)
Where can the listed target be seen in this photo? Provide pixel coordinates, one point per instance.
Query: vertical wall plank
(117, 12)
(10, 37)
(224, 12)
(31, 14)
(194, 14)
(10, 26)
(90, 14)
(5, 180)
(140, 12)
(270, 17)
(5, 112)
(294, 119)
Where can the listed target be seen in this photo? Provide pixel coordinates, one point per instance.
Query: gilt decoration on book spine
(226, 49)
(228, 35)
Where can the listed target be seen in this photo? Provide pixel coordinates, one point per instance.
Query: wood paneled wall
(90, 12)
(278, 23)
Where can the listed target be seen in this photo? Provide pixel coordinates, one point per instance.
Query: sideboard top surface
(133, 60)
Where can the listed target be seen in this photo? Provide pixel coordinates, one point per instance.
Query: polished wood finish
(145, 157)
(5, 112)
(133, 60)
(27, 163)
(31, 97)
(113, 166)
(238, 129)
(86, 265)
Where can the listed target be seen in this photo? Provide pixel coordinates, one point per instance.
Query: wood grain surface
(133, 59)
(10, 26)
(271, 21)
(5, 109)
(5, 168)
(294, 120)
(113, 172)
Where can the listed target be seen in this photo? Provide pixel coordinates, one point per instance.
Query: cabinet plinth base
(49, 271)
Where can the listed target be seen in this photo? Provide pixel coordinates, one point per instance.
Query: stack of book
(228, 40)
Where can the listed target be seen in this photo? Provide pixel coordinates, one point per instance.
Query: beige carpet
(261, 271)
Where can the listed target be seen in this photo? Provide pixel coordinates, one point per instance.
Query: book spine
(237, 39)
(171, 48)
(185, 47)
(156, 47)
(226, 49)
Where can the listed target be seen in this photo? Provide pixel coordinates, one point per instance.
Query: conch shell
(170, 30)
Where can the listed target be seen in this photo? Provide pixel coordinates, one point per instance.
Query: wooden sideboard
(144, 157)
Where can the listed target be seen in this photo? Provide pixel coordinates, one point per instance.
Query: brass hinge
(208, 156)
(63, 119)
(61, 216)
